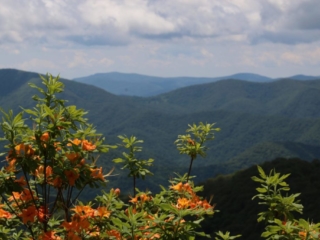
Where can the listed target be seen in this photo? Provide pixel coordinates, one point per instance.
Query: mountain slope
(249, 114)
(287, 98)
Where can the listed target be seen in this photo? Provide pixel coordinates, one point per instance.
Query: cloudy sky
(210, 38)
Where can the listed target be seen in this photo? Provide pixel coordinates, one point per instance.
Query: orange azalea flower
(76, 141)
(21, 181)
(57, 182)
(102, 212)
(154, 236)
(72, 156)
(49, 171)
(45, 137)
(57, 145)
(178, 187)
(80, 221)
(28, 214)
(19, 148)
(302, 234)
(97, 174)
(88, 146)
(84, 224)
(11, 165)
(71, 226)
(94, 233)
(193, 204)
(82, 162)
(187, 188)
(49, 236)
(29, 151)
(144, 198)
(39, 173)
(15, 196)
(4, 213)
(206, 205)
(134, 200)
(114, 233)
(43, 213)
(25, 150)
(72, 176)
(151, 217)
(76, 225)
(182, 203)
(73, 236)
(26, 195)
(83, 210)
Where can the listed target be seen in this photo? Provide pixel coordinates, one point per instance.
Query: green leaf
(118, 160)
(261, 190)
(261, 172)
(304, 224)
(168, 207)
(29, 111)
(256, 179)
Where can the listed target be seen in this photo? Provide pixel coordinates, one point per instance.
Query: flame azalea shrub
(279, 217)
(48, 165)
(137, 167)
(174, 213)
(194, 144)
(171, 214)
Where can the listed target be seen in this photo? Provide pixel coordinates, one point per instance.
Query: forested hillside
(288, 98)
(258, 121)
(233, 196)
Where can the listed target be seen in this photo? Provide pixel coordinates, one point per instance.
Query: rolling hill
(288, 98)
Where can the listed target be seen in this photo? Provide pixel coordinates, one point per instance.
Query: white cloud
(36, 63)
(291, 57)
(81, 59)
(128, 16)
(110, 22)
(164, 37)
(78, 60)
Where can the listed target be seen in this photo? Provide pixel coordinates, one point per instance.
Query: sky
(166, 38)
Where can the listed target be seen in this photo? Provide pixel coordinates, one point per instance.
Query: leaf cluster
(137, 167)
(193, 144)
(281, 223)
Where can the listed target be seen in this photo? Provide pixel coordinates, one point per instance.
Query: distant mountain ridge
(132, 84)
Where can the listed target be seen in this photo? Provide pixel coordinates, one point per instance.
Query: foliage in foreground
(279, 217)
(49, 165)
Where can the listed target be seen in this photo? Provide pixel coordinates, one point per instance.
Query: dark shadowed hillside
(233, 193)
